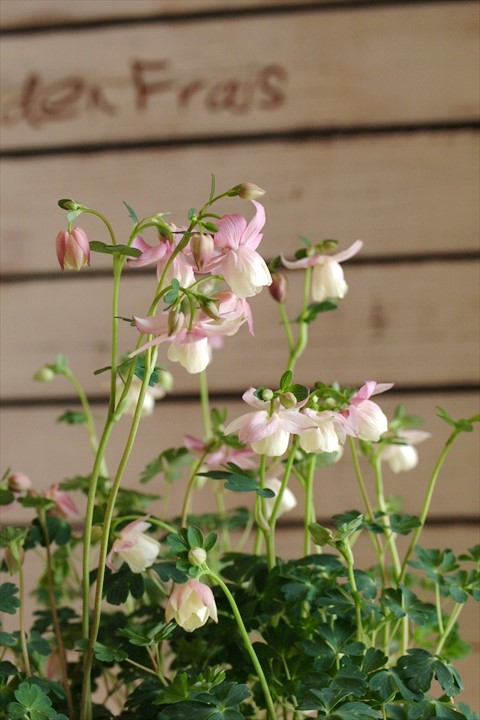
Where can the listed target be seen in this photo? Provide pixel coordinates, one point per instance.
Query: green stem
(88, 659)
(438, 605)
(309, 504)
(302, 337)
(450, 625)
(389, 534)
(428, 499)
(207, 425)
(21, 621)
(89, 423)
(247, 643)
(118, 263)
(287, 326)
(347, 553)
(270, 537)
(190, 488)
(153, 520)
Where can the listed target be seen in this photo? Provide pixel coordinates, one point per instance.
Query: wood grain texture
(48, 452)
(306, 70)
(391, 327)
(404, 194)
(15, 13)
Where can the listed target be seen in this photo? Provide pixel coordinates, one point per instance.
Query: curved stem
(90, 425)
(450, 625)
(247, 643)
(302, 337)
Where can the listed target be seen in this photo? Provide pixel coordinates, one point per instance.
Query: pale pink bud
(250, 191)
(73, 249)
(14, 558)
(278, 288)
(64, 504)
(175, 322)
(19, 483)
(134, 547)
(190, 605)
(202, 247)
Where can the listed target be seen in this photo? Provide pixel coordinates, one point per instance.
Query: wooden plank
(388, 65)
(396, 324)
(407, 194)
(47, 452)
(15, 13)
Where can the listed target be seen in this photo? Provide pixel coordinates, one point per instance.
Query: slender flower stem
(347, 553)
(207, 425)
(302, 337)
(271, 714)
(55, 619)
(190, 488)
(428, 499)
(21, 621)
(390, 535)
(287, 326)
(438, 605)
(88, 659)
(90, 425)
(118, 263)
(450, 625)
(276, 507)
(309, 504)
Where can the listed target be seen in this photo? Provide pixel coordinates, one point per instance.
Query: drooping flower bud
(190, 605)
(278, 288)
(288, 399)
(44, 374)
(202, 247)
(73, 249)
(250, 191)
(19, 483)
(175, 322)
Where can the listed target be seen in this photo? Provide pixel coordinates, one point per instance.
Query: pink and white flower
(243, 457)
(19, 483)
(160, 254)
(328, 280)
(244, 270)
(73, 249)
(191, 605)
(134, 547)
(327, 434)
(402, 458)
(268, 429)
(364, 418)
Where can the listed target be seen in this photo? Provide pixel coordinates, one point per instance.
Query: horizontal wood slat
(403, 194)
(392, 326)
(51, 12)
(47, 452)
(306, 70)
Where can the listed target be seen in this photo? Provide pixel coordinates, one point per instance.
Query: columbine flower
(363, 418)
(160, 254)
(404, 457)
(190, 605)
(19, 483)
(327, 434)
(64, 504)
(327, 277)
(288, 501)
(134, 547)
(243, 457)
(268, 429)
(242, 267)
(73, 249)
(152, 394)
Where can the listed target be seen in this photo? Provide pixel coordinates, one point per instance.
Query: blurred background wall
(359, 118)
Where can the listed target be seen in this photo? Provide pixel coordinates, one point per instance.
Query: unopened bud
(73, 249)
(97, 533)
(175, 322)
(19, 482)
(202, 249)
(329, 245)
(288, 400)
(14, 557)
(69, 204)
(278, 288)
(44, 374)
(211, 309)
(197, 556)
(330, 402)
(250, 191)
(267, 394)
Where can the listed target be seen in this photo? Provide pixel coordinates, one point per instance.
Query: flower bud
(197, 556)
(267, 394)
(250, 191)
(278, 288)
(175, 322)
(202, 248)
(14, 557)
(73, 249)
(44, 374)
(165, 380)
(211, 310)
(19, 483)
(190, 605)
(288, 400)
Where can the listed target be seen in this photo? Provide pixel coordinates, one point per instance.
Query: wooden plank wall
(359, 118)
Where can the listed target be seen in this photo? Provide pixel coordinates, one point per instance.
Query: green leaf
(73, 417)
(355, 711)
(6, 496)
(33, 700)
(419, 668)
(285, 381)
(101, 247)
(195, 537)
(314, 309)
(131, 212)
(8, 602)
(108, 654)
(7, 639)
(7, 668)
(73, 214)
(300, 391)
(404, 524)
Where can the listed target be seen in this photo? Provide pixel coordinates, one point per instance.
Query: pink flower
(64, 504)
(363, 418)
(134, 547)
(190, 605)
(327, 277)
(268, 429)
(161, 254)
(73, 249)
(243, 457)
(402, 458)
(327, 434)
(242, 267)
